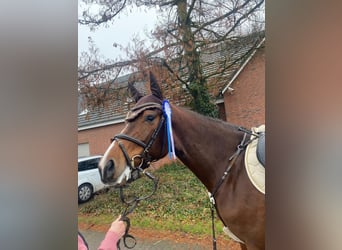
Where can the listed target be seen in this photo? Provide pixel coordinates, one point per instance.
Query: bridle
(145, 161)
(145, 157)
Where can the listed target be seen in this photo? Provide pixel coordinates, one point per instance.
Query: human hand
(118, 227)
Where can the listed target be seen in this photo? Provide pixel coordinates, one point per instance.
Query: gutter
(241, 68)
(102, 124)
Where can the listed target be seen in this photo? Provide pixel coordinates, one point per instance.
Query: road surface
(94, 239)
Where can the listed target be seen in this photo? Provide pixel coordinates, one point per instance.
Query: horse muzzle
(107, 172)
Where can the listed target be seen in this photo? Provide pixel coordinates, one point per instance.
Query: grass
(181, 204)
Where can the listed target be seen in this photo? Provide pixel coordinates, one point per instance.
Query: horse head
(140, 142)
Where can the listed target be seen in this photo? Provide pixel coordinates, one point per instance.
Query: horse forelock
(145, 103)
(149, 98)
(134, 113)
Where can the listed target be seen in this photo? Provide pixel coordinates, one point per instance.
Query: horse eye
(149, 118)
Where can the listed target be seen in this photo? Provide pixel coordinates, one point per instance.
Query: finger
(119, 218)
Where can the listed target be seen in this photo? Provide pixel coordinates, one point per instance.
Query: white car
(89, 180)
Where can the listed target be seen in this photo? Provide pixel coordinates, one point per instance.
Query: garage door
(83, 149)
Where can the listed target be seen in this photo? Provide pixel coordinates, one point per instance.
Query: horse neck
(204, 145)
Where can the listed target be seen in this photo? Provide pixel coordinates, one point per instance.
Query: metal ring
(132, 161)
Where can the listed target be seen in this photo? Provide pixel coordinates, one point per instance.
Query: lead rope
(130, 206)
(232, 160)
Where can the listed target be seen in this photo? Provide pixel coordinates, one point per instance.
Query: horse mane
(208, 118)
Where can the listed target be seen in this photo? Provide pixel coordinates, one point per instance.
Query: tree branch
(86, 73)
(105, 17)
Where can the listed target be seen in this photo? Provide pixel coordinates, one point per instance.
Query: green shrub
(180, 203)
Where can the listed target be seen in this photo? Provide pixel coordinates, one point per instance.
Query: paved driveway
(94, 239)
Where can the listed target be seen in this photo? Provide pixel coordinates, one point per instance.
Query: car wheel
(85, 192)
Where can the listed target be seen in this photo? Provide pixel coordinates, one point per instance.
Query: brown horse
(208, 147)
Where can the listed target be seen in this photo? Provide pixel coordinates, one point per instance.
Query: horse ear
(155, 89)
(134, 92)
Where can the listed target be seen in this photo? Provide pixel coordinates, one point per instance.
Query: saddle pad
(255, 171)
(231, 235)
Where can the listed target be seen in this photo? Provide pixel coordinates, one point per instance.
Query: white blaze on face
(105, 157)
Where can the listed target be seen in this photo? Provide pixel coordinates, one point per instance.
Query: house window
(83, 149)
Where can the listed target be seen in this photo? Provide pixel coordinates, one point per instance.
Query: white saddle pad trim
(231, 235)
(255, 171)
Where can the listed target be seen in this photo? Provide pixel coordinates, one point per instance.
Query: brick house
(240, 97)
(244, 95)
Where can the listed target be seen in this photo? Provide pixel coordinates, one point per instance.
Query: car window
(81, 166)
(92, 164)
(88, 165)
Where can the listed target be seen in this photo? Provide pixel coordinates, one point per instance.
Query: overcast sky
(120, 32)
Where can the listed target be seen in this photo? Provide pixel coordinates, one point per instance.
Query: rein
(242, 146)
(130, 206)
(146, 159)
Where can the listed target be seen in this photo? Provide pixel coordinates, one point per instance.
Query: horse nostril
(109, 170)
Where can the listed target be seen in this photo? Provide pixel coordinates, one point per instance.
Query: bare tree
(189, 31)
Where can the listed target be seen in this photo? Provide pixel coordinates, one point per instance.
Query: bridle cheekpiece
(145, 157)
